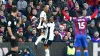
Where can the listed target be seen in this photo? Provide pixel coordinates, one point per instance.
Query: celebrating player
(43, 24)
(80, 23)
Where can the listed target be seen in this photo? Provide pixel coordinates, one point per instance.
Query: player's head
(14, 11)
(79, 13)
(51, 19)
(46, 8)
(84, 12)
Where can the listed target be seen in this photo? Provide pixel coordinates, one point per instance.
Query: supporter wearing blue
(96, 37)
(57, 37)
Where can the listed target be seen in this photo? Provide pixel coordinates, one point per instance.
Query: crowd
(30, 14)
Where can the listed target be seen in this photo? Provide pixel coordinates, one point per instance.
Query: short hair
(14, 9)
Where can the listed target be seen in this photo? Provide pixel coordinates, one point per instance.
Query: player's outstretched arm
(67, 16)
(94, 14)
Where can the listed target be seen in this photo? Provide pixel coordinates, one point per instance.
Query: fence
(56, 49)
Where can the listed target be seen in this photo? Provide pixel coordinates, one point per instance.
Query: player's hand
(13, 37)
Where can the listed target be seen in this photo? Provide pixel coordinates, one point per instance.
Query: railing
(56, 49)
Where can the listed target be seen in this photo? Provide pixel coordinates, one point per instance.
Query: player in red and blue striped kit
(80, 23)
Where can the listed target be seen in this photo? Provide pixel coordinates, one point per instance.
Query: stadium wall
(56, 49)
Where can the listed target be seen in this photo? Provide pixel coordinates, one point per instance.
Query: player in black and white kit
(43, 24)
(12, 24)
(46, 29)
(50, 36)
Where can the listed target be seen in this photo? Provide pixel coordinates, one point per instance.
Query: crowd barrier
(56, 49)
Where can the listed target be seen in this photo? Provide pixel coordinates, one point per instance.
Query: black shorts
(47, 43)
(13, 42)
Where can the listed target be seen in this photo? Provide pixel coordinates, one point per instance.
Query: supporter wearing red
(9, 6)
(92, 2)
(80, 23)
(70, 4)
(62, 32)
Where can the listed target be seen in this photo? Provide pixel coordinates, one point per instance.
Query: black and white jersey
(42, 15)
(12, 22)
(50, 31)
(43, 25)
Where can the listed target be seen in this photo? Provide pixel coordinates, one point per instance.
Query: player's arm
(94, 14)
(67, 16)
(9, 29)
(42, 20)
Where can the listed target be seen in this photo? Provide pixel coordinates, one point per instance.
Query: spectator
(33, 14)
(2, 18)
(58, 17)
(29, 9)
(98, 28)
(31, 3)
(20, 35)
(88, 38)
(70, 49)
(86, 6)
(62, 3)
(4, 10)
(75, 10)
(9, 6)
(22, 4)
(38, 8)
(57, 37)
(33, 36)
(71, 30)
(92, 2)
(62, 32)
(92, 28)
(65, 26)
(25, 25)
(70, 4)
(27, 52)
(96, 37)
(67, 38)
(1, 33)
(51, 6)
(99, 12)
(80, 2)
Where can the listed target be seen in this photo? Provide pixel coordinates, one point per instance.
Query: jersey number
(81, 25)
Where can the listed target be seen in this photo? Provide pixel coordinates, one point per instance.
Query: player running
(80, 23)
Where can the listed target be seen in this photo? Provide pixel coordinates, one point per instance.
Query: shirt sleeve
(94, 14)
(67, 16)
(9, 22)
(88, 18)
